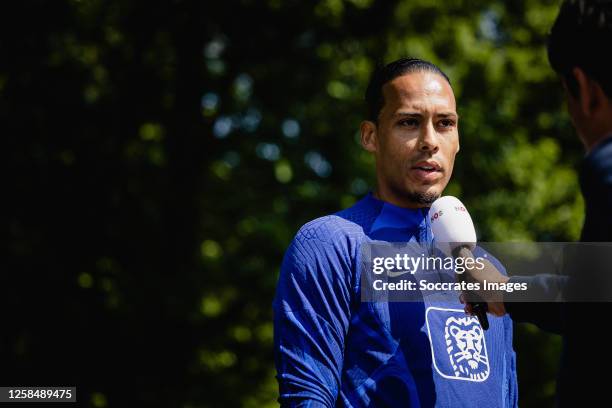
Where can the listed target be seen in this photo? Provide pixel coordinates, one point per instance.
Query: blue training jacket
(333, 350)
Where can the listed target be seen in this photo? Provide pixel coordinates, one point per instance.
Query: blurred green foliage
(162, 155)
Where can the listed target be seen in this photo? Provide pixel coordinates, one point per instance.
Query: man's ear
(590, 93)
(369, 136)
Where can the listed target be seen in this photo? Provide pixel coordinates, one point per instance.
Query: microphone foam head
(451, 224)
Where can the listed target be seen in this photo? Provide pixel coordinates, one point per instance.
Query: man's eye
(446, 123)
(409, 122)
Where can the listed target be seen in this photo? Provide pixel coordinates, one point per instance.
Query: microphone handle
(479, 308)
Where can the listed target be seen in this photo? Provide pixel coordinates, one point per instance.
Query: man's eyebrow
(419, 114)
(448, 115)
(409, 114)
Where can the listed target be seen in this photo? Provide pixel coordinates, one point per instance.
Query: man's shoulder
(327, 245)
(599, 161)
(329, 229)
(351, 223)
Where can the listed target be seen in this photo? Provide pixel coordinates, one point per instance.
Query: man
(332, 348)
(579, 51)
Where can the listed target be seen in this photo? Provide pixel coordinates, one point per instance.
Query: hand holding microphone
(455, 235)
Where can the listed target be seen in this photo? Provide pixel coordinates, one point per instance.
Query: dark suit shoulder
(596, 186)
(598, 163)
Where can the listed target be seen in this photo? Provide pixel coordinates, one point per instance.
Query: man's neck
(596, 129)
(591, 143)
(396, 201)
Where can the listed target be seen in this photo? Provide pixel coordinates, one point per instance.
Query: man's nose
(428, 139)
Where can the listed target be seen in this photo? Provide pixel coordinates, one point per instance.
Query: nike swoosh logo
(393, 274)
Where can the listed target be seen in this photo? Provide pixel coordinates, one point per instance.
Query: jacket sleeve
(311, 318)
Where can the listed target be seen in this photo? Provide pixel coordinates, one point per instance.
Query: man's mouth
(427, 170)
(429, 165)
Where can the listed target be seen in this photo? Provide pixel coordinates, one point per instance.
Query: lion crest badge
(459, 350)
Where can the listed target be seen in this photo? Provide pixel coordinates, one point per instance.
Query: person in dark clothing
(579, 50)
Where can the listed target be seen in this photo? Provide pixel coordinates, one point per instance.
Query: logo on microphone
(460, 353)
(436, 215)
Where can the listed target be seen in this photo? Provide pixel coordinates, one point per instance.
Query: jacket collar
(395, 217)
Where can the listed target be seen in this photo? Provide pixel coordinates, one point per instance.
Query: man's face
(416, 139)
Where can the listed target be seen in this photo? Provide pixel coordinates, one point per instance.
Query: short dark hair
(581, 37)
(383, 74)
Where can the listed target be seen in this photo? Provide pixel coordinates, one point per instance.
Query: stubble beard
(416, 197)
